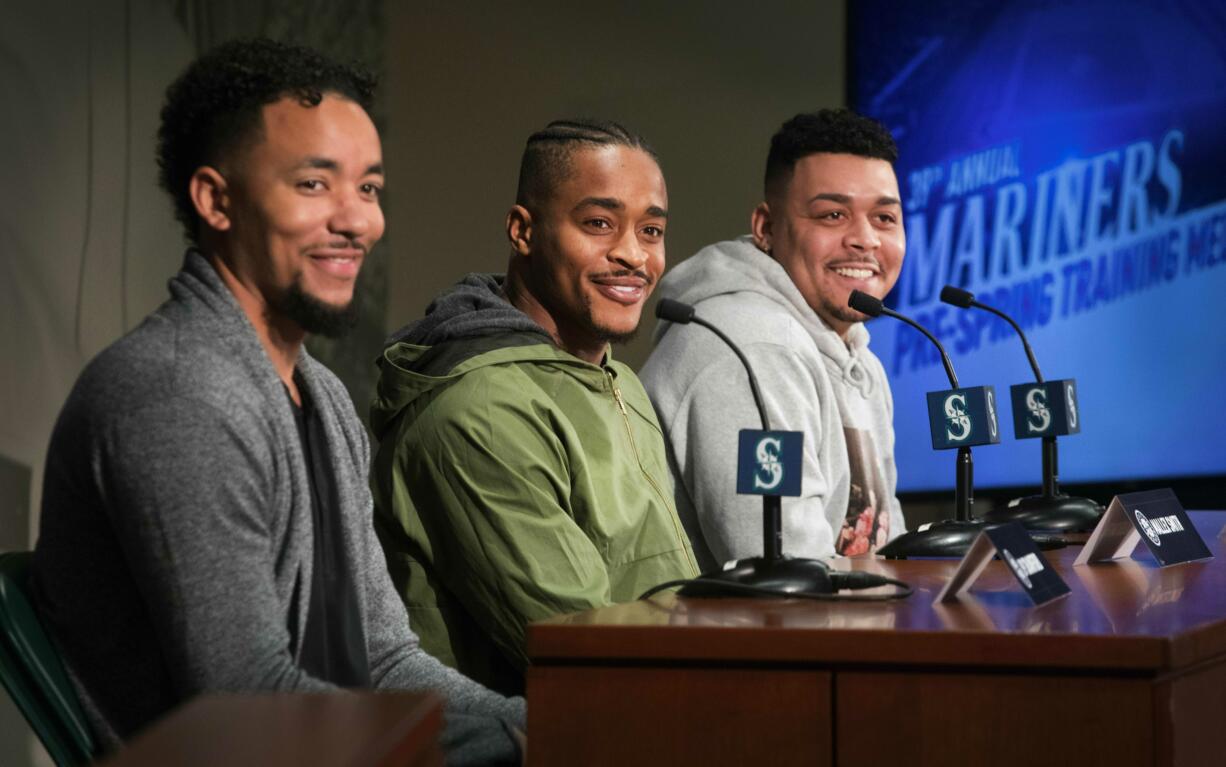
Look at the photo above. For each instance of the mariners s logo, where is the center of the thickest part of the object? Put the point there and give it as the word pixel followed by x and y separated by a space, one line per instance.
pixel 1148 528
pixel 1040 415
pixel 770 470
pixel 957 422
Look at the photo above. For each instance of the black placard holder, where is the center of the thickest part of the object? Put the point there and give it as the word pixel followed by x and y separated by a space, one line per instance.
pixel 1153 516
pixel 1022 558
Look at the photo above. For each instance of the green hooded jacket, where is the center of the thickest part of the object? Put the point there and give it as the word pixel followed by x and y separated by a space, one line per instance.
pixel 513 482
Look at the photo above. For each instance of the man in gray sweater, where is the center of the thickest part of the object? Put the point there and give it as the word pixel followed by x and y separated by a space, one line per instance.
pixel 830 223
pixel 206 522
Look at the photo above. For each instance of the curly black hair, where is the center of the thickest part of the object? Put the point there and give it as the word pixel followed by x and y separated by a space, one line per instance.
pixel 547 154
pixel 836 131
pixel 215 106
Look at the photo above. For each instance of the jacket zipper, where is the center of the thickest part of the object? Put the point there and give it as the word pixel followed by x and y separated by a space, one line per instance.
pixel 621 406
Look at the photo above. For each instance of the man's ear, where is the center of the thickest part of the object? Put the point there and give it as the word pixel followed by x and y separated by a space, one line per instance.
pixel 760 227
pixel 211 197
pixel 519 229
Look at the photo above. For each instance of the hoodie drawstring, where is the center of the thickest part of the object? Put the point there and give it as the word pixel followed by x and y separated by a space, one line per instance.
pixel 857 376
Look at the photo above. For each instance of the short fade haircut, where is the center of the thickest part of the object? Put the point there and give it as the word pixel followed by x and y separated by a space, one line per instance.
pixel 547 155
pixel 831 131
pixel 216 106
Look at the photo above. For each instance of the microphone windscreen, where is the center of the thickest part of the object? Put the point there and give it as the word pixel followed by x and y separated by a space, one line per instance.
pixel 865 304
pixel 957 296
pixel 674 311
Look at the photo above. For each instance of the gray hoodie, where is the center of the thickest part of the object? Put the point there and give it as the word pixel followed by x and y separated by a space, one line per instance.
pixel 812 381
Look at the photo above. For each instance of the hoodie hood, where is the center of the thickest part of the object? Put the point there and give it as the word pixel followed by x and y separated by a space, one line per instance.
pixel 468 326
pixel 471 308
pixel 737 266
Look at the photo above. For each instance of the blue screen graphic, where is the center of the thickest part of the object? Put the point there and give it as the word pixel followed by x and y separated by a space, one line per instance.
pixel 1066 162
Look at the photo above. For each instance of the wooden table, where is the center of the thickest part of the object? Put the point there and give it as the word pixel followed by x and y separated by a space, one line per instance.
pixel 1128 669
pixel 323 730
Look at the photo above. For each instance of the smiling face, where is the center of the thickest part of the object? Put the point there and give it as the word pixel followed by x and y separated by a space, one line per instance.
pixel 593 251
pixel 302 211
pixel 834 228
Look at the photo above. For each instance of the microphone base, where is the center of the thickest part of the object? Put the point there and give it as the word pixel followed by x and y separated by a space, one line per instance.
pixel 949 539
pixel 783 574
pixel 1055 513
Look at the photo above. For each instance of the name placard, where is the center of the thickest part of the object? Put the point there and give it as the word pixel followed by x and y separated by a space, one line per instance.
pixel 1153 516
pixel 1022 558
pixel 769 462
pixel 963 417
pixel 1047 409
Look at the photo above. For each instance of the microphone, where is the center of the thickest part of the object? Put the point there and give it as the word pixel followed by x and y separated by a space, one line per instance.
pixel 964 299
pixel 952 418
pixel 772 573
pixel 872 306
pixel 674 311
pixel 684 314
pixel 1053 407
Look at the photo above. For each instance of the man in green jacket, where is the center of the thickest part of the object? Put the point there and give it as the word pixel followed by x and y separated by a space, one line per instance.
pixel 521 471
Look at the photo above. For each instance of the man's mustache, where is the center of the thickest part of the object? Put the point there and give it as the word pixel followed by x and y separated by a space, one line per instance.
pixel 644 276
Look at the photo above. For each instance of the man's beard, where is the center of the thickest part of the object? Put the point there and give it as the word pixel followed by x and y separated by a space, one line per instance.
pixel 609 335
pixel 313 315
pixel 843 313
pixel 606 334
pixel 613 337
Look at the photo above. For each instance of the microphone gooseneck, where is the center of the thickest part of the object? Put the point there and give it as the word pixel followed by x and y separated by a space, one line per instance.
pixel 964 299
pixel 683 314
pixel 866 304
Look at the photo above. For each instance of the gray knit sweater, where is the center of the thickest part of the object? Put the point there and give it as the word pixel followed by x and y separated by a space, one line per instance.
pixel 175 549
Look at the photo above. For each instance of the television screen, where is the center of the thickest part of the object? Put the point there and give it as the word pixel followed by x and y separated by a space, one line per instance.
pixel 1065 162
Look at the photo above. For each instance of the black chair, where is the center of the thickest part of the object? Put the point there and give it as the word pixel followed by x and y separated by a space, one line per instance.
pixel 31 670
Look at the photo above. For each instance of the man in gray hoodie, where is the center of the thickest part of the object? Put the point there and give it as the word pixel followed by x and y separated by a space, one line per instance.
pixel 830 223
pixel 206 523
